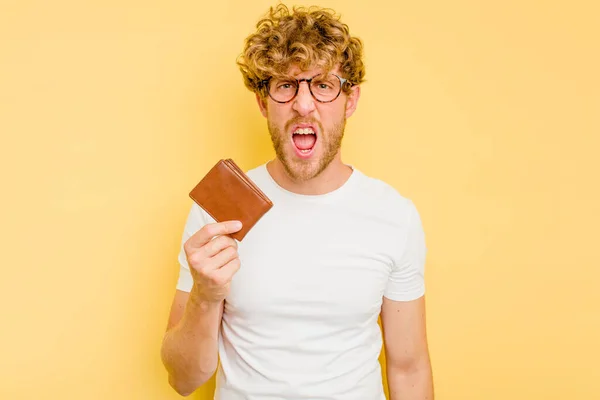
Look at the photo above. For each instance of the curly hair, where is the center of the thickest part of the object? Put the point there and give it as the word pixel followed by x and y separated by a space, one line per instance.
pixel 308 37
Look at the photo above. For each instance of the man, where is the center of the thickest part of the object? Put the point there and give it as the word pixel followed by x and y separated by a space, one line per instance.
pixel 291 312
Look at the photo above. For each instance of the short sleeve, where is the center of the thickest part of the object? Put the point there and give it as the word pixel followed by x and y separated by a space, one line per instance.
pixel 195 220
pixel 407 278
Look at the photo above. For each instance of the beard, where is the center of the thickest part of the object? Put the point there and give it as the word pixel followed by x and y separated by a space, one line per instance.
pixel 303 170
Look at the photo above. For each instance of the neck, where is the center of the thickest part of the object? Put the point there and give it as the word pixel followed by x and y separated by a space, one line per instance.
pixel 330 179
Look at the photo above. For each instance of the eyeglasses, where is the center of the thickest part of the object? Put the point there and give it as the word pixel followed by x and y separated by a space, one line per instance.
pixel 325 88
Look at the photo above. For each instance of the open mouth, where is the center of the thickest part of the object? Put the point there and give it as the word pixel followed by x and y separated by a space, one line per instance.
pixel 304 139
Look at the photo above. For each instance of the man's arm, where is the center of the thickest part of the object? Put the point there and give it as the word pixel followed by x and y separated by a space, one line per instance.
pixel 189 348
pixel 408 365
pixel 190 345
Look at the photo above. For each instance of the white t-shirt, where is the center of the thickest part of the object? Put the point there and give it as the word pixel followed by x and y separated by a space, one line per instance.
pixel 300 321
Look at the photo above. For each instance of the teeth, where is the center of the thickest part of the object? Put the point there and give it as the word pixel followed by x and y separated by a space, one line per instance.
pixel 305 131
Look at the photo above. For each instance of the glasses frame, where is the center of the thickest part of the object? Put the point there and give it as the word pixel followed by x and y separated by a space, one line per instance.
pixel 343 81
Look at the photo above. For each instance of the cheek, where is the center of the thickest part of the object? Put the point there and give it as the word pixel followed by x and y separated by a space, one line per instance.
pixel 277 117
pixel 331 118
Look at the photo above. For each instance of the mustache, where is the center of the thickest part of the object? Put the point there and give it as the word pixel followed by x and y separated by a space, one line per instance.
pixel 295 121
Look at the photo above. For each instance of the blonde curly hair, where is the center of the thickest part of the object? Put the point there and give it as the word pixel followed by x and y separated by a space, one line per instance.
pixel 307 37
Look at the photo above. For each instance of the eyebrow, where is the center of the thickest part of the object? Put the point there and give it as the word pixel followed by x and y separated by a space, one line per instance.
pixel 311 77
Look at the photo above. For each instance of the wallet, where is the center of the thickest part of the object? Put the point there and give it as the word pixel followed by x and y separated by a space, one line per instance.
pixel 227 193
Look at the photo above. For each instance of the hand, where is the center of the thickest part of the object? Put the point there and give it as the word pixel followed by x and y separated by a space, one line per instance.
pixel 213 260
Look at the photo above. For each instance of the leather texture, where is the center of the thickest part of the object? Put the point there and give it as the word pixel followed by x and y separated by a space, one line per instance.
pixel 226 193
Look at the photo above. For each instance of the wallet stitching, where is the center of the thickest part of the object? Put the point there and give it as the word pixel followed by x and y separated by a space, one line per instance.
pixel 236 169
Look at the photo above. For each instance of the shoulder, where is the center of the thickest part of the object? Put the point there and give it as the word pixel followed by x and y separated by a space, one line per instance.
pixel 257 173
pixel 261 178
pixel 385 197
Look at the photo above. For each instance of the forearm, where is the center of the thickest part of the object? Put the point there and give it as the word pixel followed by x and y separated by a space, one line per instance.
pixel 189 350
pixel 410 383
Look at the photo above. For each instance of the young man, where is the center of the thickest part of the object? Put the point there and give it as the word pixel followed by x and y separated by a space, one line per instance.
pixel 291 312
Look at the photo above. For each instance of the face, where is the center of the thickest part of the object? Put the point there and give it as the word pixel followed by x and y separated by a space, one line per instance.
pixel 307 134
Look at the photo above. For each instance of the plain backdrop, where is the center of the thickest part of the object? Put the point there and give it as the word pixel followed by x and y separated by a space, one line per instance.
pixel 485 114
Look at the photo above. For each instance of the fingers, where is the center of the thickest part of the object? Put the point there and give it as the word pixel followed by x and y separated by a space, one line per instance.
pixel 220 259
pixel 213 258
pixel 219 243
pixel 225 273
pixel 215 274
pixel 212 255
pixel 208 231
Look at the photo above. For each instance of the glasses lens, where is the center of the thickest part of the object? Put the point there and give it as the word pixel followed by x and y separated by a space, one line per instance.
pixel 325 87
pixel 282 89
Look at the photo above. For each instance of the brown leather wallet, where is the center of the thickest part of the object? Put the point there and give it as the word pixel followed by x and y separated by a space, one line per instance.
pixel 227 193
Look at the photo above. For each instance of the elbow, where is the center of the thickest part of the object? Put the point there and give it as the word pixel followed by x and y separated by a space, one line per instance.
pixel 182 389
pixel 186 376
pixel 185 387
pixel 407 366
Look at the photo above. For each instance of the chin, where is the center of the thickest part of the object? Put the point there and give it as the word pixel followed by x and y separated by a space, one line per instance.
pixel 303 170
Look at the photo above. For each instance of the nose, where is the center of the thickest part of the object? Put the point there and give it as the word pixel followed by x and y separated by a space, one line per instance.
pixel 304 103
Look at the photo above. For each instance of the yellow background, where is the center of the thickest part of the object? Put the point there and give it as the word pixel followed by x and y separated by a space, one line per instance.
pixel 484 113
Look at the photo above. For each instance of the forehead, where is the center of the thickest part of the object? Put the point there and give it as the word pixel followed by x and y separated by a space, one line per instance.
pixel 297 72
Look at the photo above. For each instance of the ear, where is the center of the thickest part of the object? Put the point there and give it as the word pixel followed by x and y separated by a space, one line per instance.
pixel 262 104
pixel 352 100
